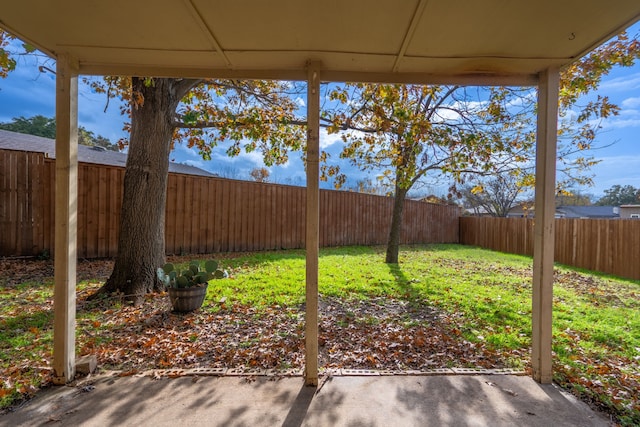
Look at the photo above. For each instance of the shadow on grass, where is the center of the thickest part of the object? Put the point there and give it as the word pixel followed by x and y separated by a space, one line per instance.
pixel 406 285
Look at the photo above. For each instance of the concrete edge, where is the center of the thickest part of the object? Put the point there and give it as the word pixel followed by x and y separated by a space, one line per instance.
pixel 250 372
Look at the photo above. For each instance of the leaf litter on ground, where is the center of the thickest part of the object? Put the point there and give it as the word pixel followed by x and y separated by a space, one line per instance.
pixel 375 332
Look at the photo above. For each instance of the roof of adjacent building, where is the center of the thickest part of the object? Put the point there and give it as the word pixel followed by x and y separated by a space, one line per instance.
pixel 588 211
pixel 86 154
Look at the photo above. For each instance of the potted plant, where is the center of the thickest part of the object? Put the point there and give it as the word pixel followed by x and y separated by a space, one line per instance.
pixel 188 288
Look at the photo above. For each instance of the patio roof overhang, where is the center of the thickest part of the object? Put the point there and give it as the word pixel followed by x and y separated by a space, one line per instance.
pixel 404 41
pixel 486 42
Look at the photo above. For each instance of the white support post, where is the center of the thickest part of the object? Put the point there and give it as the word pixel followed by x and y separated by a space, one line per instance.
pixel 66 203
pixel 543 247
pixel 313 219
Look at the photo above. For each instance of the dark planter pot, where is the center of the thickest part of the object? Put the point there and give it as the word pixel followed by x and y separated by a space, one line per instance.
pixel 187 299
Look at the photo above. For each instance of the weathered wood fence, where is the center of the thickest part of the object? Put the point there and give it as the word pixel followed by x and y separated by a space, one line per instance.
pixel 608 246
pixel 203 215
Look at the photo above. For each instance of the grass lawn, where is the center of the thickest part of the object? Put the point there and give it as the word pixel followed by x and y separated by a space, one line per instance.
pixel 442 306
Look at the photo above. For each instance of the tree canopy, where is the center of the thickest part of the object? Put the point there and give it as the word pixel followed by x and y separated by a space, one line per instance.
pixel 7 62
pixel 46 127
pixel 618 195
pixel 408 130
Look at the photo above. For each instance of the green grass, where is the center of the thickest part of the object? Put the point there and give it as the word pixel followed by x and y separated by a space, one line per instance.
pixel 492 290
pixel 596 325
pixel 484 285
pixel 596 318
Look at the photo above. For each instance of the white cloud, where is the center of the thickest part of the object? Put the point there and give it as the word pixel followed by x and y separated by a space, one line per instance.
pixel 327 139
pixel 452 112
pixel 254 157
pixel 620 123
pixel 631 102
pixel 626 83
pixel 181 149
pixel 629 112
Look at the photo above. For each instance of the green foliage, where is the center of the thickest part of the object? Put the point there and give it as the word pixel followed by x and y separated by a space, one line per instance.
pixel 7 60
pixel 36 125
pixel 620 195
pixel 193 275
pixel 254 115
pixel 7 63
pixel 46 127
pixel 400 128
pixel 87 137
pixel 410 130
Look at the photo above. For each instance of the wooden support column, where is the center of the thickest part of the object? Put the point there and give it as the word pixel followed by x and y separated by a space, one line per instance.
pixel 313 216
pixel 64 304
pixel 543 246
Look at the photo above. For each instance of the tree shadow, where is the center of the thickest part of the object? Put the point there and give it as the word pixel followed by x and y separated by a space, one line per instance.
pixel 409 291
pixel 490 400
pixel 228 401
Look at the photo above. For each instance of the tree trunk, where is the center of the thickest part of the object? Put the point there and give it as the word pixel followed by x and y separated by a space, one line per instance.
pixel 141 246
pixel 393 245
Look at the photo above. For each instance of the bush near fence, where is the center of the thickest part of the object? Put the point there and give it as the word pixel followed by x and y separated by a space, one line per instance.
pixel 203 215
pixel 606 245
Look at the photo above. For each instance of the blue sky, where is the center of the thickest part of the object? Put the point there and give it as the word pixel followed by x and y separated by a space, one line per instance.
pixel 27 92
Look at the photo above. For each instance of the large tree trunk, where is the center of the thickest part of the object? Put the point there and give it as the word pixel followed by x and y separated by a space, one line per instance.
pixel 393 245
pixel 141 248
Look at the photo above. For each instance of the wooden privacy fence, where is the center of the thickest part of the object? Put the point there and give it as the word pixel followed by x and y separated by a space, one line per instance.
pixel 606 245
pixel 203 215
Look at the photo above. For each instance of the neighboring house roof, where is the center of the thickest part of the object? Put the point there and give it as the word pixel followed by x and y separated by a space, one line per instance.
pixel 23 142
pixel 476 210
pixel 588 211
pixel 603 212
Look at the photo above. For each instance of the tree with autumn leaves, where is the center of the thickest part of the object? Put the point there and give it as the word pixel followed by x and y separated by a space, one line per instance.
pixel 7 63
pixel 409 131
pixel 253 115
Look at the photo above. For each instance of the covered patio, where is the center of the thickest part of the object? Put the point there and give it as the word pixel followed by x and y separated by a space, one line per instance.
pixel 420 41
pixel 339 400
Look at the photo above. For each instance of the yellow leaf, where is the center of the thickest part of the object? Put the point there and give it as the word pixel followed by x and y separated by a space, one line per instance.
pixel 477 189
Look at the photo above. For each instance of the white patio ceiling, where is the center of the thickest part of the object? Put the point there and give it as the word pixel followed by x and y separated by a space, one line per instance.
pixel 411 40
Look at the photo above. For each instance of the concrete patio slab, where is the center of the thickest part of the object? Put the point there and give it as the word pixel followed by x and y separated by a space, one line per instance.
pixel 394 400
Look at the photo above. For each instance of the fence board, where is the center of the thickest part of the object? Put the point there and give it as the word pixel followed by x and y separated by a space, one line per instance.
pixel 608 246
pixel 202 215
